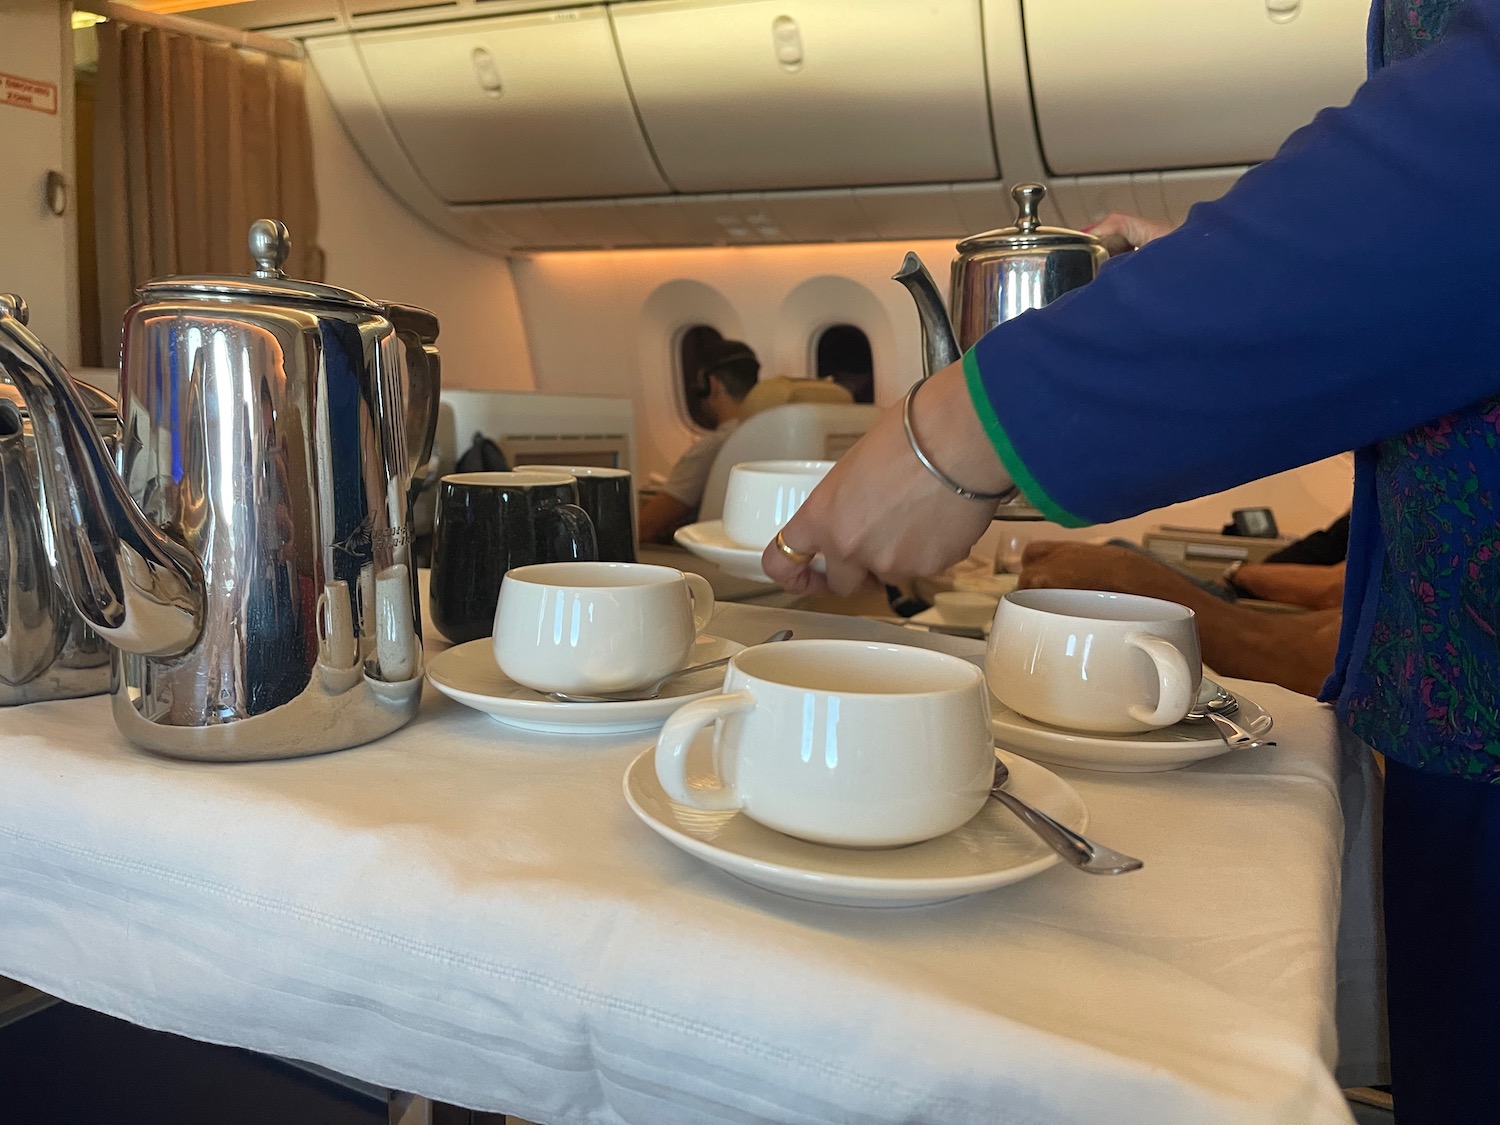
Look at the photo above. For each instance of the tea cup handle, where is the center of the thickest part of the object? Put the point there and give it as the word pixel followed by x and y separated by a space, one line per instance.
pixel 672 749
pixel 1177 689
pixel 703 600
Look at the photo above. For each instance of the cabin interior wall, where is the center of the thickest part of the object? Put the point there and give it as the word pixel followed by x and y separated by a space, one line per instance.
pixel 375 246
pixel 608 322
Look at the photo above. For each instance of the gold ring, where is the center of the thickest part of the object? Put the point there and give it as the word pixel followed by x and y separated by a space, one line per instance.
pixel 801 558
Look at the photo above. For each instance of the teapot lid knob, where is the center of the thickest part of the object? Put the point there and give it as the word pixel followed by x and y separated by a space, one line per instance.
pixel 1028 198
pixel 270 243
pixel 12 304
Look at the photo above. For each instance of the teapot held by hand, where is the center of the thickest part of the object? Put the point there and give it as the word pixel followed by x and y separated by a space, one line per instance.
pixel 269 433
pixel 996 276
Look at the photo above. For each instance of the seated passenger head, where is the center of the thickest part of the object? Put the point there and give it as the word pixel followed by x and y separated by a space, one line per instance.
pixel 729 371
pixel 733 363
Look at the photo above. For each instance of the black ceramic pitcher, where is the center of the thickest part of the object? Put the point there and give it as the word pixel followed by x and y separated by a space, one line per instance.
pixel 487 523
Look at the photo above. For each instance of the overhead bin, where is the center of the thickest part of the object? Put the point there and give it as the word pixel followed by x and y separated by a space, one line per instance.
pixel 745 122
pixel 1185 83
pixel 521 107
pixel 766 95
pixel 335 61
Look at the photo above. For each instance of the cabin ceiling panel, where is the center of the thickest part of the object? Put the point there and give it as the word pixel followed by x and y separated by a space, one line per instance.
pixel 783 94
pixel 925 211
pixel 1185 83
pixel 1183 189
pixel 296 16
pixel 984 207
pixel 513 108
pixel 813 216
pixel 431 9
pixel 336 64
pixel 589 223
pixel 302 18
pixel 697 220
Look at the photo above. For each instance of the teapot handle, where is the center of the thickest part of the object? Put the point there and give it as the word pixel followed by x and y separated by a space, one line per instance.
pixel 417 330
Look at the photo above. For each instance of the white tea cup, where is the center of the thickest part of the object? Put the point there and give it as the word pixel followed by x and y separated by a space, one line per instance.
pixel 851 743
pixel 591 627
pixel 762 495
pixel 1090 660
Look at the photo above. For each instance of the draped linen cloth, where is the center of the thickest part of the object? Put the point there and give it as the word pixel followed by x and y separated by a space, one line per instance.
pixel 193 140
pixel 473 913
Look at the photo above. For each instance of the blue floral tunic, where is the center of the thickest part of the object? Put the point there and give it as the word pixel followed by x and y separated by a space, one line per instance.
pixel 1424 684
pixel 1401 28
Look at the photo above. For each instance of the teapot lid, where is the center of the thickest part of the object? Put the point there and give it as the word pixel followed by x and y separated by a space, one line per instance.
pixel 269 242
pixel 1028 233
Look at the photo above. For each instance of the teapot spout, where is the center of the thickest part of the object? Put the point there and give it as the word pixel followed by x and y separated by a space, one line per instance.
pixel 140 590
pixel 939 345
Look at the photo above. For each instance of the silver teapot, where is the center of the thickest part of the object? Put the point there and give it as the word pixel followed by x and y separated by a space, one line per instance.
pixel 250 557
pixel 46 650
pixel 996 276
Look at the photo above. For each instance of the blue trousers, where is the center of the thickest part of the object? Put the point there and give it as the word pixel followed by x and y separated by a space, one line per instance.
pixel 1442 921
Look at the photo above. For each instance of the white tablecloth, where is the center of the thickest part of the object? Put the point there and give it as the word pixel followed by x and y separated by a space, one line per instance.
pixel 474 914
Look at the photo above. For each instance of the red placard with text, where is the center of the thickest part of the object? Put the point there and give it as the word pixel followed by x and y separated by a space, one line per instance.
pixel 28 93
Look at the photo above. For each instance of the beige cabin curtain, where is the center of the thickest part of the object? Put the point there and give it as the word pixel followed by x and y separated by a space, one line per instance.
pixel 193 140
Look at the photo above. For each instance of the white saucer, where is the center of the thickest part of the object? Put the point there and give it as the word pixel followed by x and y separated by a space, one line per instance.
pixel 708 541
pixel 1152 752
pixel 990 851
pixel 469 674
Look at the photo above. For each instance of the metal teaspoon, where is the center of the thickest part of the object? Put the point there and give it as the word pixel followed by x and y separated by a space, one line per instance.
pixel 1080 851
pixel 1219 709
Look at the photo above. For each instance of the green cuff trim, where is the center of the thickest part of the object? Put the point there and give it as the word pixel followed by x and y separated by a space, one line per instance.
pixel 1035 493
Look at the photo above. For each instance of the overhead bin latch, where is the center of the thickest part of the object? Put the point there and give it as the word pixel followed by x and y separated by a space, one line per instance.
pixel 786 40
pixel 1283 11
pixel 486 72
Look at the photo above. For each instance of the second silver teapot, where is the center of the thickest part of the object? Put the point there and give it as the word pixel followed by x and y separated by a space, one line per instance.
pixel 47 651
pixel 250 558
pixel 996 276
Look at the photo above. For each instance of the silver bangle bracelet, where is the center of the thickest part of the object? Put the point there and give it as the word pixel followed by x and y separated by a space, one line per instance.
pixel 948 482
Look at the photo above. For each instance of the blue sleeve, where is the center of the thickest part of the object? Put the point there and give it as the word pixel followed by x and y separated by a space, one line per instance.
pixel 1343 292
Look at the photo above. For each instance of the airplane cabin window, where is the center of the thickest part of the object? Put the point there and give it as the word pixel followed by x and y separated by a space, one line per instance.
pixel 692 348
pixel 842 353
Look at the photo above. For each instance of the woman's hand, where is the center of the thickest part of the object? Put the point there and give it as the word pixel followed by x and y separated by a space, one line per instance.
pixel 1123 233
pixel 880 513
